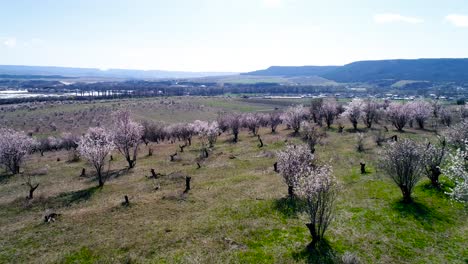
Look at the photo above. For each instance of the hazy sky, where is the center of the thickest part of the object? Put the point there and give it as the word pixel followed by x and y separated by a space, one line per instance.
pixel 221 35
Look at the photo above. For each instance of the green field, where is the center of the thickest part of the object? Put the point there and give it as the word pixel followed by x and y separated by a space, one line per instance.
pixel 236 211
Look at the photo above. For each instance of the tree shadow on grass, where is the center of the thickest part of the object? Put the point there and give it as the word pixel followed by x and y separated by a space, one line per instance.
pixel 324 253
pixel 4 177
pixel 107 175
pixel 69 198
pixel 290 207
pixel 419 211
pixel 441 191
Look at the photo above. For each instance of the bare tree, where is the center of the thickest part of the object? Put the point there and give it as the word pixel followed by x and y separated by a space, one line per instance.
pixel 14 147
pixel 403 162
pixel 32 183
pixel 126 135
pixel 94 146
pixel 319 188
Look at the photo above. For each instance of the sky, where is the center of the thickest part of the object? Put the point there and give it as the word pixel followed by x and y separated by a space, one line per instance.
pixel 227 36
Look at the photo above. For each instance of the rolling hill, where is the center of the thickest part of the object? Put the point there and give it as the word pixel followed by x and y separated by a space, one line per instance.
pixel 435 70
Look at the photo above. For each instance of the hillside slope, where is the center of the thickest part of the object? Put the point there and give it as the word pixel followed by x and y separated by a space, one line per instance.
pixel 421 69
pixel 292 71
pixel 435 70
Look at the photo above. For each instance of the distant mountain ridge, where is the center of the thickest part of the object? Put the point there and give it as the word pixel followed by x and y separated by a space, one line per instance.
pixel 94 72
pixel 439 70
pixel 293 71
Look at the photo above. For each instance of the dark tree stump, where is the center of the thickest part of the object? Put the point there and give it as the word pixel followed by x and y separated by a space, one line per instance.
pixel 153 174
pixel 198 166
pixel 182 148
pixel 275 167
pixel 187 184
pixel 172 156
pixel 111 158
pixel 58 159
pixel 150 152
pixel 126 202
pixel 386 128
pixel 83 172
pixel 363 168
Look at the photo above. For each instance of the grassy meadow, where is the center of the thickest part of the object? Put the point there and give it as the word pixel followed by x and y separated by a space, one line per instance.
pixel 236 211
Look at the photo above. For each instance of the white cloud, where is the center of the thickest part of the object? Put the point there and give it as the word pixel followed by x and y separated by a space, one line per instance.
pixel 9 42
pixel 457 20
pixel 272 3
pixel 392 18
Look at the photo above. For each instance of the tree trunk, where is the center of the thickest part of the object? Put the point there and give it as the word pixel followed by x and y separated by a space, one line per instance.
pixel 126 202
pixel 291 192
pixel 406 195
pixel 435 177
pixel 275 167
pixel 101 182
pixel 131 163
pixel 236 137
pixel 31 191
pixel 187 184
pixel 363 168
pixel 314 235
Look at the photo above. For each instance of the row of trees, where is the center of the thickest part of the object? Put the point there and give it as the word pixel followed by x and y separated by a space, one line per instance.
pixel 404 161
